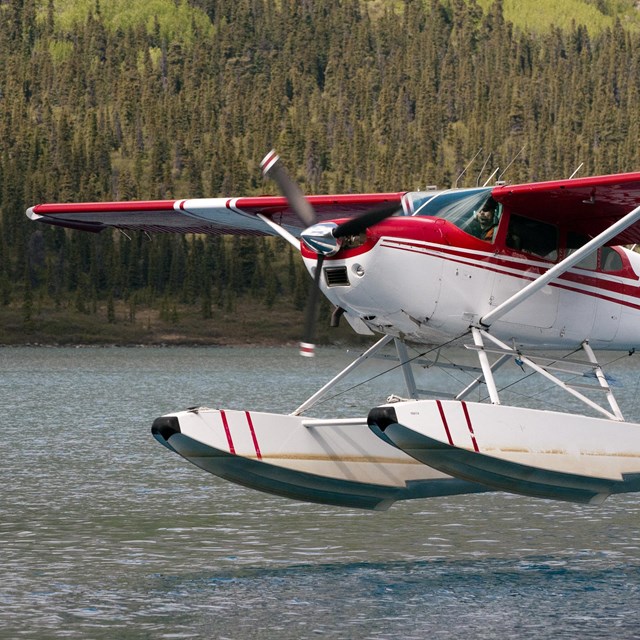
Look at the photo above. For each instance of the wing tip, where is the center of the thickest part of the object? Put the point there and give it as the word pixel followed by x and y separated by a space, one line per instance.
pixel 31 213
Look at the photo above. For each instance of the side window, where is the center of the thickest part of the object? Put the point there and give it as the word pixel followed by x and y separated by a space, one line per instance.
pixel 610 260
pixel 574 242
pixel 532 236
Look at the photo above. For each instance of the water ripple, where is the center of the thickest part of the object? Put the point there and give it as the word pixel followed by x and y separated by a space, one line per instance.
pixel 104 534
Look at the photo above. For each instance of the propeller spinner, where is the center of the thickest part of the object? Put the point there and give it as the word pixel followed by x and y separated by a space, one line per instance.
pixel 323 238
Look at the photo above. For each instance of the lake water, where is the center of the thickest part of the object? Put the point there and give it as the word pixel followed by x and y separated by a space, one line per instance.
pixel 106 534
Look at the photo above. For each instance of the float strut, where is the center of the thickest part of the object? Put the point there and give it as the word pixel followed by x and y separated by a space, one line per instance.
pixel 486 367
pixel 357 362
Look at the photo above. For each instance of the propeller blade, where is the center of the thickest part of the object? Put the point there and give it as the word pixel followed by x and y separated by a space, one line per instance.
pixel 273 168
pixel 320 238
pixel 307 346
pixel 357 225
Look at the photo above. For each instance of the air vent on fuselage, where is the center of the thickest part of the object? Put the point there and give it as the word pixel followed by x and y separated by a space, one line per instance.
pixel 336 276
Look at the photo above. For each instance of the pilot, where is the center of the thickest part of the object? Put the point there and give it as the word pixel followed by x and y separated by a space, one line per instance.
pixel 485 221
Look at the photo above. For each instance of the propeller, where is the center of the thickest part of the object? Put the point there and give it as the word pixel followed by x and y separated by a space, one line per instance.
pixel 272 168
pixel 323 238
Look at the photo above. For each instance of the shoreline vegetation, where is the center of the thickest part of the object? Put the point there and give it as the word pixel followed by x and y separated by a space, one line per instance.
pixel 247 325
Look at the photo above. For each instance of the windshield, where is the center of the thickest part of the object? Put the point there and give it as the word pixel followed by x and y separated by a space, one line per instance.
pixel 473 210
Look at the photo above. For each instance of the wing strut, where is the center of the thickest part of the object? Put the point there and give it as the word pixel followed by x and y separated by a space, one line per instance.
pixel 562 266
pixel 281 231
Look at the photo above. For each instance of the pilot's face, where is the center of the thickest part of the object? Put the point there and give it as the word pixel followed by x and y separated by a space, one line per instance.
pixel 485 217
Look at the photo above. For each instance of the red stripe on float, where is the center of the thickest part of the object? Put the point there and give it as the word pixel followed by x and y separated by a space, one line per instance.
pixel 227 432
pixel 473 435
pixel 253 435
pixel 444 422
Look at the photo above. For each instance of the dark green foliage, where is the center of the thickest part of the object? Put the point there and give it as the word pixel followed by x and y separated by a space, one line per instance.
pixel 352 102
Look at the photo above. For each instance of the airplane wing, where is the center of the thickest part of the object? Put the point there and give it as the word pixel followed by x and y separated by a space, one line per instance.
pixel 215 216
pixel 585 206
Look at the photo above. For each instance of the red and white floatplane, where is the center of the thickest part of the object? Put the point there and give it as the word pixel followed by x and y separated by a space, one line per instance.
pixel 508 273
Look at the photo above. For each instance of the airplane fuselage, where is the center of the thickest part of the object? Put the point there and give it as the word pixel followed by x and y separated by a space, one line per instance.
pixel 426 280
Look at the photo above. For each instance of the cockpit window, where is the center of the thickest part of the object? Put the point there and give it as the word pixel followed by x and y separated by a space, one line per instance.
pixel 472 210
pixel 484 220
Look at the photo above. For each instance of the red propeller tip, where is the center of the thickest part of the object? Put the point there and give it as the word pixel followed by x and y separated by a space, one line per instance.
pixel 307 349
pixel 269 161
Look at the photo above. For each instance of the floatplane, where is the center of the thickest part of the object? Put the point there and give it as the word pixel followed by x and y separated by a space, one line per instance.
pixel 510 273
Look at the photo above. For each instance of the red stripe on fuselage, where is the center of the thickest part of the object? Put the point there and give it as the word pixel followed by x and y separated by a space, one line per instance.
pixel 227 431
pixel 564 281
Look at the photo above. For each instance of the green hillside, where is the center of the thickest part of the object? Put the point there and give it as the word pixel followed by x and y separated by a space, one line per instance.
pixel 107 100
pixel 543 15
pixel 180 20
pixel 170 20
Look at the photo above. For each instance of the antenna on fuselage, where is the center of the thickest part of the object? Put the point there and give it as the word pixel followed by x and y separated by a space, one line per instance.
pixel 488 180
pixel 455 184
pixel 512 161
pixel 576 170
pixel 486 162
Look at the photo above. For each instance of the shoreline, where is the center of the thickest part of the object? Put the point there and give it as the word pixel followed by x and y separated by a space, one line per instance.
pixel 247 326
pixel 165 345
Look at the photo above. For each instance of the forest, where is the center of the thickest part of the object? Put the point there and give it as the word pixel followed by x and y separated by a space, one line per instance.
pixel 184 102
